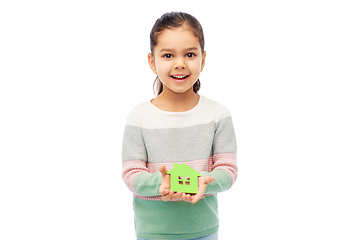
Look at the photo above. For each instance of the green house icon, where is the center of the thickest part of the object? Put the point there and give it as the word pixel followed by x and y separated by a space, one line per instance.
pixel 183 178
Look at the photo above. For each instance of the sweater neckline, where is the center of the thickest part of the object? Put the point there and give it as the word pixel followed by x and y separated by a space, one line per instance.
pixel 201 98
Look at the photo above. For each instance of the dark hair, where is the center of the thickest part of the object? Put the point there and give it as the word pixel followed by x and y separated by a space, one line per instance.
pixel 175 20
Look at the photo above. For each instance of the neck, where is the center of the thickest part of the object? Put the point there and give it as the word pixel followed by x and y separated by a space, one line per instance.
pixel 178 102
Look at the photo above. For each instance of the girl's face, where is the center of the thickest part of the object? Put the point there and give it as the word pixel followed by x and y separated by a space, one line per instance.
pixel 177 59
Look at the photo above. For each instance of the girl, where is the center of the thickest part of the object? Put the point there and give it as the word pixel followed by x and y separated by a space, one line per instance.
pixel 178 126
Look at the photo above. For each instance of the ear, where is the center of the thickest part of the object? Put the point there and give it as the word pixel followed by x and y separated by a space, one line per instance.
pixel 203 61
pixel 152 64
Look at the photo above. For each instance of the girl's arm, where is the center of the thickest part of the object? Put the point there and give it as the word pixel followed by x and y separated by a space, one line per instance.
pixel 139 180
pixel 135 173
pixel 224 156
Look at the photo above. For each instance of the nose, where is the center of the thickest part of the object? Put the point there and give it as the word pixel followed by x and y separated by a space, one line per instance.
pixel 180 63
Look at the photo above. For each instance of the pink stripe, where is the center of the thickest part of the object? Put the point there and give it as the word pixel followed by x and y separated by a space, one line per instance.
pixel 131 169
pixel 227 162
pixel 197 165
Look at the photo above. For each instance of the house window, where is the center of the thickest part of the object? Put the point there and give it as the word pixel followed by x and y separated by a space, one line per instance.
pixel 187 180
pixel 181 182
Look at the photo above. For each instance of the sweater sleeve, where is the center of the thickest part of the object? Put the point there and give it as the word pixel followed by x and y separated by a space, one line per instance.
pixel 135 173
pixel 224 156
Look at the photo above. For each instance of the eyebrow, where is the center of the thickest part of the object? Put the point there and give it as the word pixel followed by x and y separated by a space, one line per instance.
pixel 171 50
pixel 192 48
pixel 166 50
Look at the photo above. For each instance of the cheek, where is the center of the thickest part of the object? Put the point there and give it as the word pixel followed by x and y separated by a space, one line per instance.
pixel 194 66
pixel 163 67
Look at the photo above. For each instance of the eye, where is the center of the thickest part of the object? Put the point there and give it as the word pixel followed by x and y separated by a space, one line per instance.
pixel 190 55
pixel 167 56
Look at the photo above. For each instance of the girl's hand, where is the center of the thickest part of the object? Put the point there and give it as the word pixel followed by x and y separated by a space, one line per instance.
pixel 168 195
pixel 203 182
pixel 164 189
pixel 165 184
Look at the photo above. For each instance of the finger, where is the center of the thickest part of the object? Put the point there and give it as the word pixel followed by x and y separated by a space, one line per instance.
pixel 209 179
pixel 165 185
pixel 163 170
pixel 177 196
pixel 202 187
pixel 166 180
pixel 187 197
pixel 196 198
pixel 165 198
pixel 168 196
pixel 183 196
pixel 162 191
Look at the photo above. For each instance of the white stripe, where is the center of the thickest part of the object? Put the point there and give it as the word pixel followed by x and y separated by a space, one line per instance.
pixel 146 115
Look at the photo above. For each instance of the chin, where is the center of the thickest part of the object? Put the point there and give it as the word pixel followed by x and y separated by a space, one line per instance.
pixel 180 91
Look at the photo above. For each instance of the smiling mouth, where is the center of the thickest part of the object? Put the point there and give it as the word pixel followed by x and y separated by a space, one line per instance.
pixel 179 77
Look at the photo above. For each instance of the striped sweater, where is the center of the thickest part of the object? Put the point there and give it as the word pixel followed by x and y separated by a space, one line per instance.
pixel 204 139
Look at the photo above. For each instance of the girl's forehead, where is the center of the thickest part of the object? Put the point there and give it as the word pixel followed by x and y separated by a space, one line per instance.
pixel 177 38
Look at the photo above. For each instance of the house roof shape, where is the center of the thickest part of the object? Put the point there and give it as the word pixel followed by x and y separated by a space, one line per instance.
pixel 183 170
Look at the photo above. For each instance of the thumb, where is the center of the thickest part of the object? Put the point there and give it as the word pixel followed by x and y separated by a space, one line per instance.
pixel 163 170
pixel 210 179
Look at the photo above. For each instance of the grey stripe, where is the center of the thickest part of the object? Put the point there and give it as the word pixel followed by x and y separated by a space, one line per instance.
pixel 179 144
pixel 133 144
pixel 224 138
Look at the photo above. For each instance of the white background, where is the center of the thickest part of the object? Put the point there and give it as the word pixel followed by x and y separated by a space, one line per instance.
pixel 289 72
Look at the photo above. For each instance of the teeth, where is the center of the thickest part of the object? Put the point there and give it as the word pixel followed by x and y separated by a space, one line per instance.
pixel 179 77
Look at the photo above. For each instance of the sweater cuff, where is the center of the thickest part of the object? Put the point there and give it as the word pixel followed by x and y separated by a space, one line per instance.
pixel 221 183
pixel 148 184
